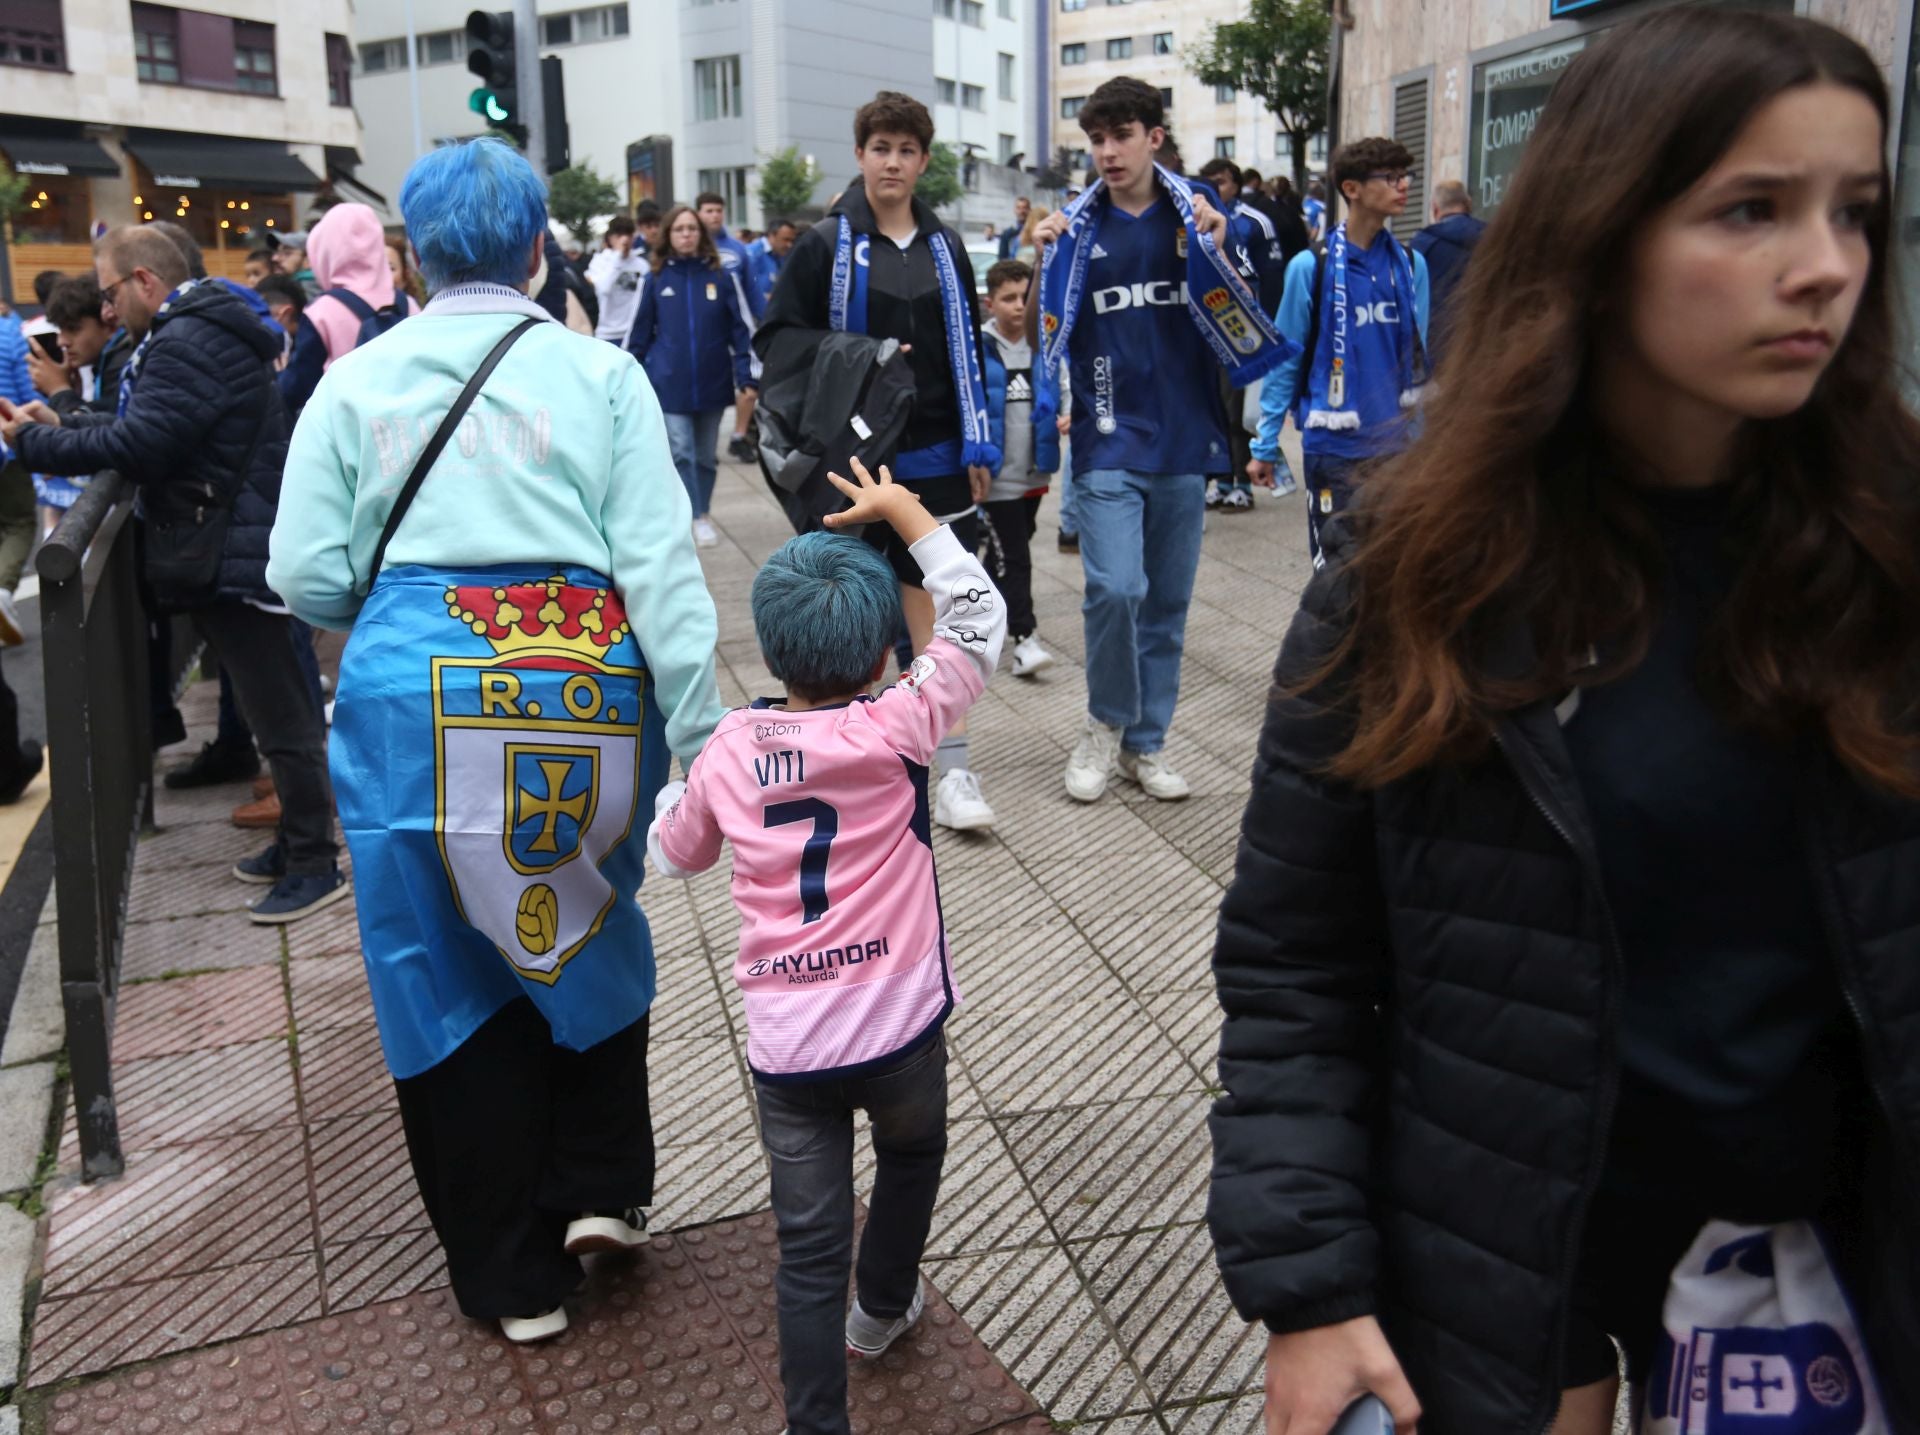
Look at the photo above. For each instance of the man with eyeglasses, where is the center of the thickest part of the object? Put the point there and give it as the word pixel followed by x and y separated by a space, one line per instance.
pixel 199 427
pixel 1359 313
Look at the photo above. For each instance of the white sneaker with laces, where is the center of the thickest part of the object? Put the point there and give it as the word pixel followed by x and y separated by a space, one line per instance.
pixel 1213 499
pixel 1029 657
pixel 959 804
pixel 1155 778
pixel 705 535
pixel 868 1339
pixel 607 1231
pixel 1091 766
pixel 523 1329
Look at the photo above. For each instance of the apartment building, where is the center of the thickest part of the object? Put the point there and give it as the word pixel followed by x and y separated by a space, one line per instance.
pixel 231 118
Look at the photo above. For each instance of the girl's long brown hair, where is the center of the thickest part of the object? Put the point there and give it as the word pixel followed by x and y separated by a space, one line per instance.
pixel 1511 507
pixel 663 254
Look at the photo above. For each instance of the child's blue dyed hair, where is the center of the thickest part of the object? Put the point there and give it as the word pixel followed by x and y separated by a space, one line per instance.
pixel 826 608
pixel 472 211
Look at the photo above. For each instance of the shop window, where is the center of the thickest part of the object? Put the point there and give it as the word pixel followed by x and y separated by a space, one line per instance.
pixel 56 209
pixel 32 33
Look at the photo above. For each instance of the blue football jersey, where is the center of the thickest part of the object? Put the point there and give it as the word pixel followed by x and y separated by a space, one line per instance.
pixel 1146 388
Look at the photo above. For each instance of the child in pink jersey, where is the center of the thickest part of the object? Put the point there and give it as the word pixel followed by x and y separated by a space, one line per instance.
pixel 843 962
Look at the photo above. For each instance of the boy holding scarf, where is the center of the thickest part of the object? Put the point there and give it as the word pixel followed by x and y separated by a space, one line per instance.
pixel 1138 295
pixel 1360 317
pixel 883 264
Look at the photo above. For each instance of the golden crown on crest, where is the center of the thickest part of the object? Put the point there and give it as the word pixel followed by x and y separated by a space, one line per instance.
pixel 549 616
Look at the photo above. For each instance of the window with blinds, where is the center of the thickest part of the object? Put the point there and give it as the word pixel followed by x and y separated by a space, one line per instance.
pixel 1410 128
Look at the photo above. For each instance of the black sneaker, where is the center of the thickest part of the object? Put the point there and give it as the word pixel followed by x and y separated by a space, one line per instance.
pixel 32 759
pixel 295 897
pixel 741 450
pixel 216 763
pixel 1069 542
pixel 623 1230
pixel 265 868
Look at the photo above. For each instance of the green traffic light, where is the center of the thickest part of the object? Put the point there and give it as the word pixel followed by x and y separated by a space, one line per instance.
pixel 483 101
pixel 494 112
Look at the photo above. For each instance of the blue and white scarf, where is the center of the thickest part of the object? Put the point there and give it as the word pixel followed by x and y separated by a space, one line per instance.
pixel 1331 386
pixel 1227 316
pixel 847 313
pixel 132 371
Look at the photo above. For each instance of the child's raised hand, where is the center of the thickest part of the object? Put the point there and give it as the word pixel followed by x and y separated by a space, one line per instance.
pixel 880 500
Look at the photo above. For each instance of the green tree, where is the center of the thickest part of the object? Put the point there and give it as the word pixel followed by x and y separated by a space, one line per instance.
pixel 941 183
pixel 787 182
pixel 577 196
pixel 1279 53
pixel 1060 172
pixel 13 200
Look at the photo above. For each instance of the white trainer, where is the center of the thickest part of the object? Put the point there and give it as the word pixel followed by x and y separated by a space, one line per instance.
pixel 705 534
pixel 868 1339
pixel 1029 657
pixel 1155 778
pixel 1091 766
pixel 524 1329
pixel 959 804
pixel 607 1231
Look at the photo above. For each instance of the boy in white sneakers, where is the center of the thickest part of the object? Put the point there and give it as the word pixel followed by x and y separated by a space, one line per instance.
pixel 843 965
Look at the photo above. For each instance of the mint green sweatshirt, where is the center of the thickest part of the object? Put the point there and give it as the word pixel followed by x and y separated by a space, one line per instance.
pixel 562 459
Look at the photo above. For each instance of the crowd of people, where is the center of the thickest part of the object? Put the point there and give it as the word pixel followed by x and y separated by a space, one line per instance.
pixel 1571 936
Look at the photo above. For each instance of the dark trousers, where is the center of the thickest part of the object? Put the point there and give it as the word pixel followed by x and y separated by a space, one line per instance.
pixel 13 762
pixel 807 1129
pixel 1008 531
pixel 511 1137
pixel 1330 489
pixel 260 654
pixel 232 730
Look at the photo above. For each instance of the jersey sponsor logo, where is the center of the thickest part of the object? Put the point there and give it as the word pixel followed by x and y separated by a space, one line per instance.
pixel 1384 311
pixel 1103 415
pixel 1161 292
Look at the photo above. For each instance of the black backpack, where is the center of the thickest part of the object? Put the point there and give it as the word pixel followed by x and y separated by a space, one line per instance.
pixel 373 322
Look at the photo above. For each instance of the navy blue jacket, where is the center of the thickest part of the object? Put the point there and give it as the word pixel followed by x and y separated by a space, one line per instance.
pixel 690 334
pixel 204 422
pixel 1447 244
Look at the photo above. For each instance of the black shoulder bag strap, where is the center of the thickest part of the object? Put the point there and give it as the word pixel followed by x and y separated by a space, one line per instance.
pixel 439 441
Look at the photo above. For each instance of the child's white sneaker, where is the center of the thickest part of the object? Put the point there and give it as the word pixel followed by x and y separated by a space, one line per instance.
pixel 1029 657
pixel 524 1329
pixel 868 1339
pixel 705 535
pixel 1156 777
pixel 1091 765
pixel 959 804
pixel 607 1231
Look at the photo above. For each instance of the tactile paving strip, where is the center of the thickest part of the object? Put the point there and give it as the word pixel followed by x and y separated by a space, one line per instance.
pixel 680 1339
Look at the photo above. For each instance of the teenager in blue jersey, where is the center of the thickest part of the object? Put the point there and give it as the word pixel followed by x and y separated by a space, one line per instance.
pixel 883 264
pixel 735 259
pixel 1140 294
pixel 1359 314
pixel 765 256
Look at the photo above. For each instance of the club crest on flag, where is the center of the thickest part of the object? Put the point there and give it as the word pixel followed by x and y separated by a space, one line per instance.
pixel 537 755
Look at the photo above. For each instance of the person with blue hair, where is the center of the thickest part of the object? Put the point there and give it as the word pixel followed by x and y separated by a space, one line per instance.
pixel 824 798
pixel 532 640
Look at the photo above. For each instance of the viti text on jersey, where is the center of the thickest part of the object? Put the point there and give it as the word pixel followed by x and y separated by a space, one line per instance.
pixel 1139 296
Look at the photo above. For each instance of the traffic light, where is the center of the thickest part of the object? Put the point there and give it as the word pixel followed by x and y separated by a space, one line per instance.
pixel 490 57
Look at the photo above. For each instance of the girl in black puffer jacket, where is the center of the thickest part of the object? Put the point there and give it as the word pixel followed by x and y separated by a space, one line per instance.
pixel 1578 899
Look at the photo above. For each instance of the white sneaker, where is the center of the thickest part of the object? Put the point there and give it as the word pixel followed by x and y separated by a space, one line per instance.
pixel 1029 657
pixel 705 534
pixel 524 1329
pixel 1091 765
pixel 1155 777
pixel 868 1339
pixel 12 635
pixel 607 1231
pixel 958 803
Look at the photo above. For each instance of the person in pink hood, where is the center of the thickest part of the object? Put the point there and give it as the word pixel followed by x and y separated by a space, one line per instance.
pixel 348 251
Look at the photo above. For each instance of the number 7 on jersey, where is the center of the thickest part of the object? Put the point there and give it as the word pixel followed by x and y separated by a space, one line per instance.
pixel 813 856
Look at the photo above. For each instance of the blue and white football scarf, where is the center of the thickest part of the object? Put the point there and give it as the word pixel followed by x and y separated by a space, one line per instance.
pixel 1759 1337
pixel 1227 316
pixel 132 370
pixel 847 313
pixel 1331 384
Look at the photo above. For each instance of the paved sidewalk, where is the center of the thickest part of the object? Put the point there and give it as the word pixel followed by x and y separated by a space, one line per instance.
pixel 268 1188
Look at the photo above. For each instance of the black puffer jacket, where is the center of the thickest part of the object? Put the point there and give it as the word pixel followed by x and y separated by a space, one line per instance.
pixel 205 418
pixel 1419 985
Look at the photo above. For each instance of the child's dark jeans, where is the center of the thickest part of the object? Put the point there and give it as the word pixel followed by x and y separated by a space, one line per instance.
pixel 808 1132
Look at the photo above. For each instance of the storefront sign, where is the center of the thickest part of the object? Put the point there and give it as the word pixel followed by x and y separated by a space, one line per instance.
pixel 28 166
pixel 1508 96
pixel 176 181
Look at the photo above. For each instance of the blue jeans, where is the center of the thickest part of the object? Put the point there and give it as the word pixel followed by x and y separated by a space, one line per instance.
pixel 695 442
pixel 1140 547
pixel 807 1128
pixel 1069 510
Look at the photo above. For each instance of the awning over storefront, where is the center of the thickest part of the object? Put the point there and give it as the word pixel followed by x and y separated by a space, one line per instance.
pixel 341 164
pixel 35 146
pixel 184 161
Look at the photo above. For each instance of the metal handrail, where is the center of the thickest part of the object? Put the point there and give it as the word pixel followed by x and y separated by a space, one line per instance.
pixel 94 650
